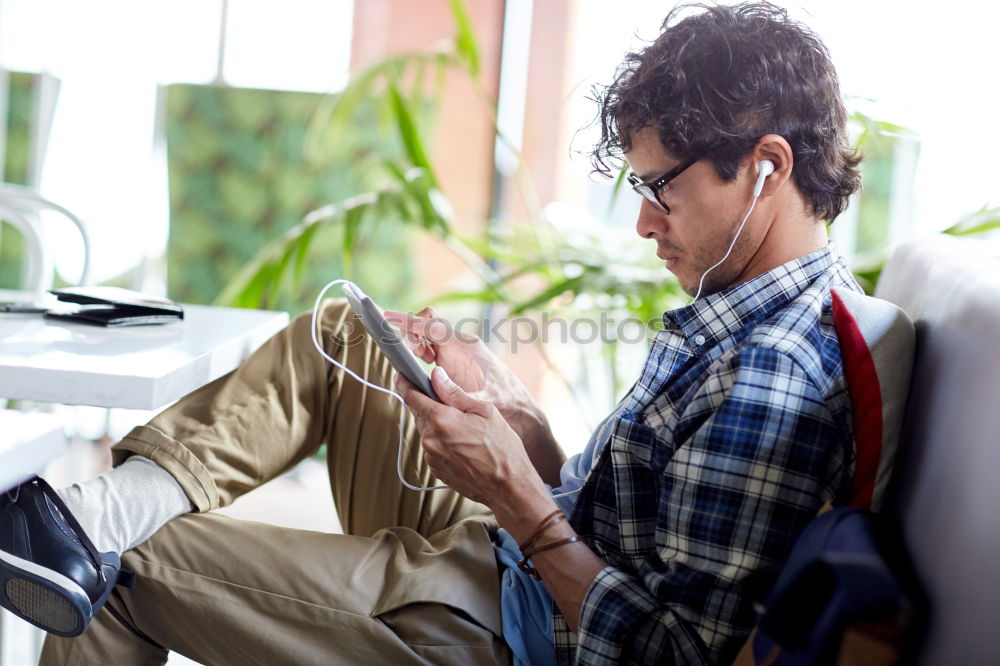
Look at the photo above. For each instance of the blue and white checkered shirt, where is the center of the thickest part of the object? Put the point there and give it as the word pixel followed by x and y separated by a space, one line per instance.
pixel 738 430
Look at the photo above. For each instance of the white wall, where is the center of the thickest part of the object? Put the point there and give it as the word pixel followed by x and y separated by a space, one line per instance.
pixel 932 67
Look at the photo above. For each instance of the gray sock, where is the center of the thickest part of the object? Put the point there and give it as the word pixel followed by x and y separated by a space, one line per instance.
pixel 124 506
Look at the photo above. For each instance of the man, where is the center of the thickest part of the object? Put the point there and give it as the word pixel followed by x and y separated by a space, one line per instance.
pixel 681 510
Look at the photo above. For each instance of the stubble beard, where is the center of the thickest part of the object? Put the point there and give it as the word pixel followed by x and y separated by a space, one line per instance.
pixel 725 274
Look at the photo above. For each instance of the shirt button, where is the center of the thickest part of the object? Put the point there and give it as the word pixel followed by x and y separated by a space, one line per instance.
pixel 699 340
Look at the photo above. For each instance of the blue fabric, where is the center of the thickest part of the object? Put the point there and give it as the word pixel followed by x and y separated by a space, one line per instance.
pixel 525 607
pixel 694 490
pixel 835 576
pixel 736 433
pixel 525 604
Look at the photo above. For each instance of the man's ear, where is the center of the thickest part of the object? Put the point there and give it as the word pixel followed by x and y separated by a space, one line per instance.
pixel 776 149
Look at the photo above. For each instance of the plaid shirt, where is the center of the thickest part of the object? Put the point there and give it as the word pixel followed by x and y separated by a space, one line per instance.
pixel 738 430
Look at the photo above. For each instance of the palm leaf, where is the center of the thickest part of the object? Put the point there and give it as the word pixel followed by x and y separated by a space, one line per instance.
pixel 352 223
pixel 982 221
pixel 302 249
pixel 465 37
pixel 338 112
pixel 408 132
pixel 546 295
pixel 261 276
pixel 616 189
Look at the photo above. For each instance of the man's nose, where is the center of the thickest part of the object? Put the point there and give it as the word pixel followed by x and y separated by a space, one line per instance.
pixel 651 220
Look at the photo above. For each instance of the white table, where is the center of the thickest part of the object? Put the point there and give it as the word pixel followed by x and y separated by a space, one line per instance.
pixel 28 441
pixel 138 367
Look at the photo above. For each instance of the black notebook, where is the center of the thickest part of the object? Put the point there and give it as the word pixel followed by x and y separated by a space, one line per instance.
pixel 113 306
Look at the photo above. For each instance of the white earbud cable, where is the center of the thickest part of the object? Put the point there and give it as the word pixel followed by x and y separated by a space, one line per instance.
pixel 726 256
pixel 766 169
pixel 402 404
pixel 402 419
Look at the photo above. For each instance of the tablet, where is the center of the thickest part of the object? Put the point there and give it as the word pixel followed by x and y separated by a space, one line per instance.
pixel 388 340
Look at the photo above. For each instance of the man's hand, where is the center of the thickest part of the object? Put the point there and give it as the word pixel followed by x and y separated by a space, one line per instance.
pixel 481 374
pixel 469 446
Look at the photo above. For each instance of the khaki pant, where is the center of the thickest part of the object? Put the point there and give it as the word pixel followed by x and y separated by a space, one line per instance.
pixel 413 580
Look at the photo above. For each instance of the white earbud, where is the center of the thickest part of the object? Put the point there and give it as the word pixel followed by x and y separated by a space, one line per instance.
pixel 764 169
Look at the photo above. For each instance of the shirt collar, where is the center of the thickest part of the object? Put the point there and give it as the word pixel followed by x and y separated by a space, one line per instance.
pixel 711 319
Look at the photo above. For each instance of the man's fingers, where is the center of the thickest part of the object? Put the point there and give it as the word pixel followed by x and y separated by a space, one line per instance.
pixel 429 313
pixel 435 330
pixel 423 349
pixel 419 404
pixel 424 352
pixel 453 395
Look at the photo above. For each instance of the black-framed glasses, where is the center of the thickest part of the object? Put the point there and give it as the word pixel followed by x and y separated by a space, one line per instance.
pixel 655 188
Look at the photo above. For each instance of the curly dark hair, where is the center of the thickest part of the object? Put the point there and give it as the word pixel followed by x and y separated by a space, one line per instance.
pixel 723 78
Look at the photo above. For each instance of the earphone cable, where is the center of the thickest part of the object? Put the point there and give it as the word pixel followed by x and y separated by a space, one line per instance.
pixel 402 420
pixel 746 217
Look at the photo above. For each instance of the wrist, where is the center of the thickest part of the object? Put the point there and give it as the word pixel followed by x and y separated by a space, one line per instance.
pixel 538 543
pixel 525 417
pixel 522 508
pixel 531 424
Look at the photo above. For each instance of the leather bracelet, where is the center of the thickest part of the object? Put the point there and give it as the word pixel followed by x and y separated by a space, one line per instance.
pixel 532 571
pixel 547 522
pixel 529 547
pixel 550 546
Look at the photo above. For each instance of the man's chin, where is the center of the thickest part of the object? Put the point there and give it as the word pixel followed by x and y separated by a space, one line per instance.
pixel 688 284
pixel 690 291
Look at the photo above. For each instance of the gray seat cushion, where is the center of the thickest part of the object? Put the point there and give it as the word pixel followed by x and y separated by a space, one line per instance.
pixel 946 487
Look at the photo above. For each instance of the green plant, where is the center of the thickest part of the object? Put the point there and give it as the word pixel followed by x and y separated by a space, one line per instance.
pixel 17 129
pixel 867 268
pixel 398 95
pixel 239 178
pixel 522 267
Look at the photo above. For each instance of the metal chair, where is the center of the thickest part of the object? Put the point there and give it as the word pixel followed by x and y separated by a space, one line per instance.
pixel 22 207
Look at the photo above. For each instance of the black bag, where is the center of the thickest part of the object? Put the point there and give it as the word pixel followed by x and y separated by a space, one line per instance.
pixel 836 578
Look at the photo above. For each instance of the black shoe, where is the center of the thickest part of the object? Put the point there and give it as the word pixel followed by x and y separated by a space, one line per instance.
pixel 50 573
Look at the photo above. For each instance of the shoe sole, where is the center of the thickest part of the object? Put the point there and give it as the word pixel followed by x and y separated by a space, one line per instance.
pixel 43 597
